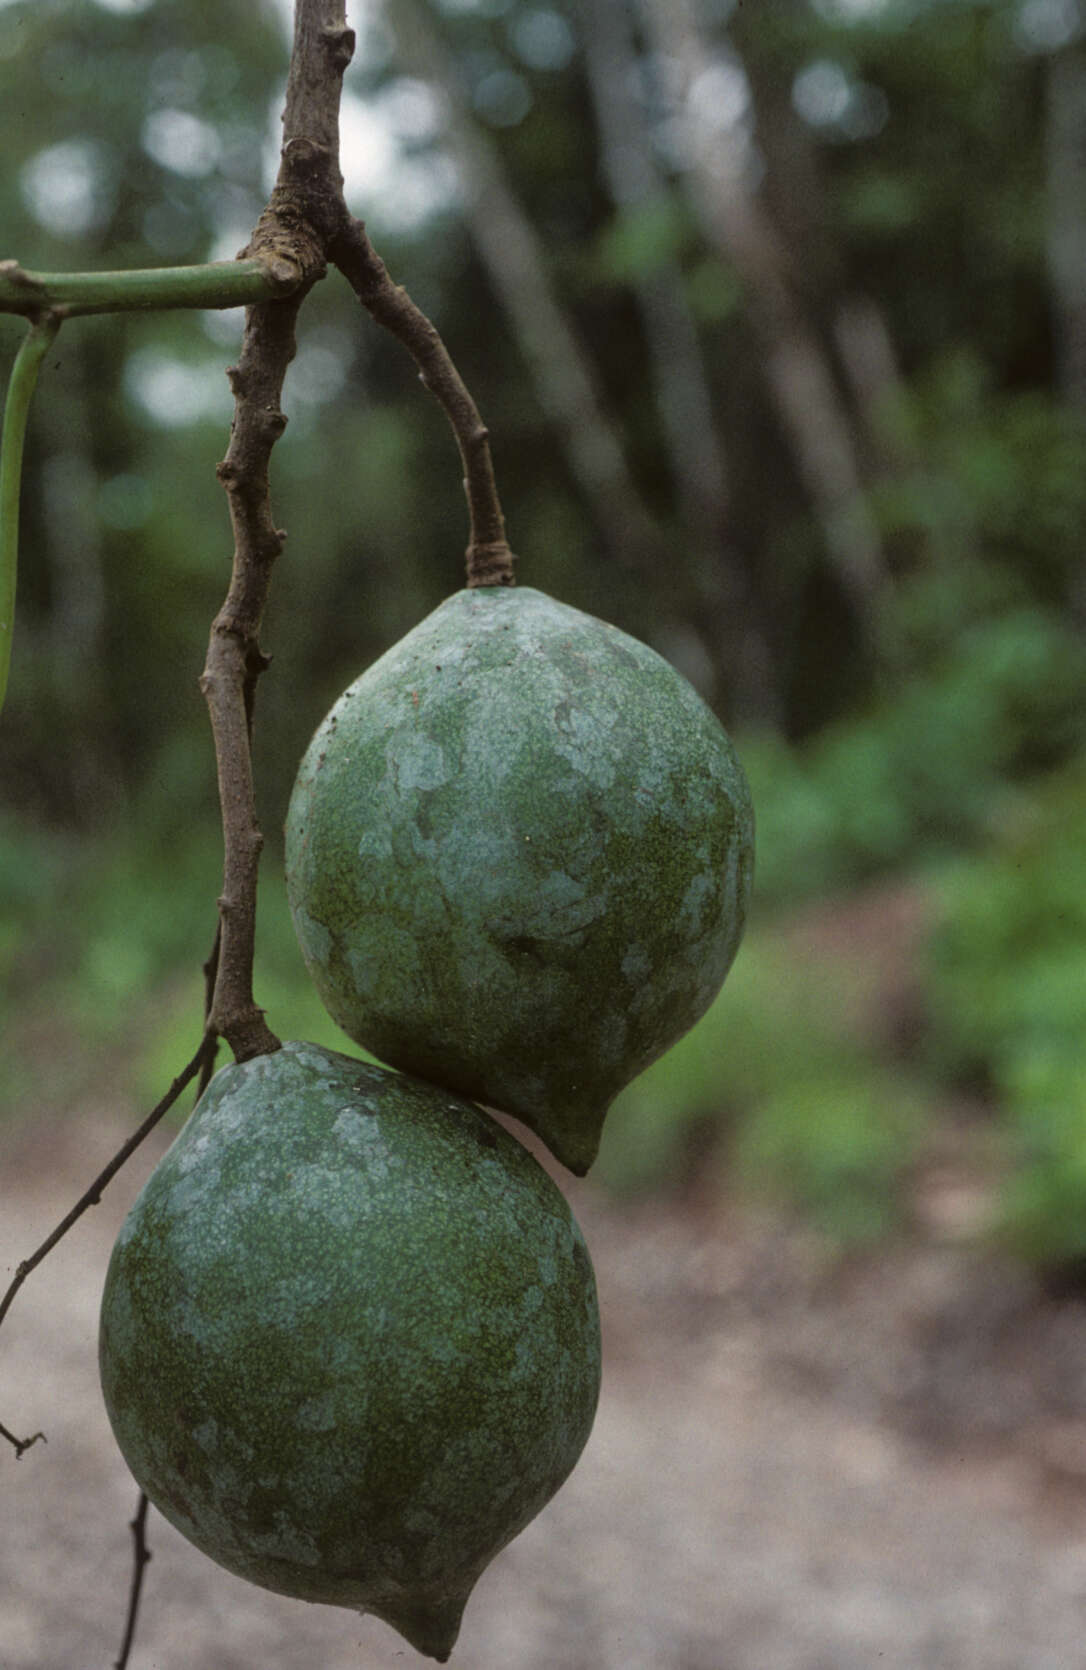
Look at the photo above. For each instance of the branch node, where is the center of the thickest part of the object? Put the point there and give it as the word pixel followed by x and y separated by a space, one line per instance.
pixel 141 1557
pixel 339 44
pixel 283 270
pixel 21 1445
pixel 303 155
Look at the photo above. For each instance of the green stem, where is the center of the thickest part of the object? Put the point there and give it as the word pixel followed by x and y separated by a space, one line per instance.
pixel 216 284
pixel 24 375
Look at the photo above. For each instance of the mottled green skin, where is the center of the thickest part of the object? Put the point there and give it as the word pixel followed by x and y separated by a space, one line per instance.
pixel 519 855
pixel 349 1339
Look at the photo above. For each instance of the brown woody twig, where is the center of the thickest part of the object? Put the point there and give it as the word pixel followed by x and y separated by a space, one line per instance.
pixel 93 1194
pixel 141 1557
pixel 20 1444
pixel 489 559
pixel 305 222
pixel 141 1553
pixel 295 227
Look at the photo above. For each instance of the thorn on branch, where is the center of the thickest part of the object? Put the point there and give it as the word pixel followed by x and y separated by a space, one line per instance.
pixel 273 422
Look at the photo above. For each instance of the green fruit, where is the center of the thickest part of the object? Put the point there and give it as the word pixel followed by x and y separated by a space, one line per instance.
pixel 349 1340
pixel 519 855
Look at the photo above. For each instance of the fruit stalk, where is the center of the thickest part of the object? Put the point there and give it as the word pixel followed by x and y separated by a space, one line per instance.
pixel 488 557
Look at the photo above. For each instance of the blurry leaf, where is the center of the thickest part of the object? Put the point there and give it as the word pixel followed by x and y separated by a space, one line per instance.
pixel 837 1145
pixel 713 291
pixel 801 1105
pixel 641 240
pixel 1008 1000
pixel 880 202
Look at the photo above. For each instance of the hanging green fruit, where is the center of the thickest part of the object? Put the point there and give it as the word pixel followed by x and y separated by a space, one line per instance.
pixel 349 1341
pixel 519 856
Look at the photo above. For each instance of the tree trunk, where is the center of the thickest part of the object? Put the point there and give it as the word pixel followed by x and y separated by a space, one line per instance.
pixel 797 368
pixel 676 367
pixel 515 260
pixel 1066 146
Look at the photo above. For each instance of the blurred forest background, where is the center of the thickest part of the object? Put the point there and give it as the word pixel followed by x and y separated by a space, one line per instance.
pixel 777 313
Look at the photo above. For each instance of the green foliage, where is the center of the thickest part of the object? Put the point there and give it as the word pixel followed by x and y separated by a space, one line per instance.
pixel 640 241
pixel 122 497
pixel 928 770
pixel 1008 1004
pixel 803 1108
pixel 713 291
pixel 997 480
pixel 837 1146
pixel 101 949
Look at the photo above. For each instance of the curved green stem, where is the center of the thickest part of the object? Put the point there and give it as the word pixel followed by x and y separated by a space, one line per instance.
pixel 24 375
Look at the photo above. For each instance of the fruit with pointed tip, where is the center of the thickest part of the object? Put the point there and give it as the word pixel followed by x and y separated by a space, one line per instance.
pixel 349 1340
pixel 519 856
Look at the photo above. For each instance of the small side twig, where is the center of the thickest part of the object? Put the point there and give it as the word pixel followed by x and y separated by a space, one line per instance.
pixel 20 1444
pixel 141 1556
pixel 141 1553
pixel 93 1194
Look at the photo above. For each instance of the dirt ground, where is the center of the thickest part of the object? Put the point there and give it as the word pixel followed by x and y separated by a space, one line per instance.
pixel 797 1465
